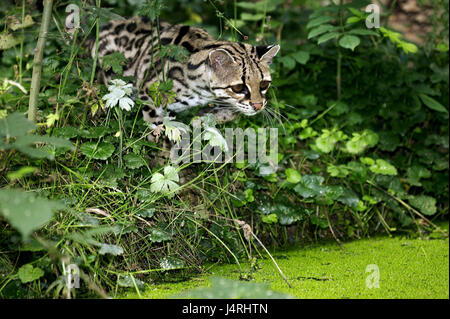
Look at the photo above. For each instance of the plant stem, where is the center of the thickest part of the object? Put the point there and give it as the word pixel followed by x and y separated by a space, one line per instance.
pixel 21 43
pixel 37 61
pixel 97 31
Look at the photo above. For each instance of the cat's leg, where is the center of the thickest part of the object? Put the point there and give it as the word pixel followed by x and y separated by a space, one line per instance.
pixel 221 114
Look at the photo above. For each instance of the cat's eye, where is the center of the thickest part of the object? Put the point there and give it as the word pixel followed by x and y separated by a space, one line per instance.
pixel 264 85
pixel 239 88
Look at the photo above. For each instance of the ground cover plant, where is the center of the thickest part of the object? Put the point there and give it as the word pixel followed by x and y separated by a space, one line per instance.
pixel 363 138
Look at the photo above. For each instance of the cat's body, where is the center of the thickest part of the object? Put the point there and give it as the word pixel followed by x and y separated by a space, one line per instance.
pixel 233 76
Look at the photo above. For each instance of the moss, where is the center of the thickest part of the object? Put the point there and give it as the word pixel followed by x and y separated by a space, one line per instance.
pixel 408 268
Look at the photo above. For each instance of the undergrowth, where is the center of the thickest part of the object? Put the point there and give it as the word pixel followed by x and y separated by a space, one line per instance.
pixel 362 119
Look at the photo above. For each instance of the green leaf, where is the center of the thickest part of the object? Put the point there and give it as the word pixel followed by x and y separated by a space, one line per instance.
pixel 363 32
pixel 310 186
pixel 349 198
pixel 147 212
pixel 425 204
pixel 28 273
pixel 101 151
pixel 383 167
pixel 340 171
pixel 415 173
pixel 25 211
pixel 66 132
pixel 320 30
pixel 270 219
pixel 352 20
pixel 349 42
pixel 318 21
pixel 23 171
pixel 287 61
pixel 133 161
pixel 286 214
pixel 168 263
pixel 166 183
pixel 432 103
pixel 252 17
pixel 15 124
pixel 129 281
pixel 408 47
pixel 293 176
pixel 321 222
pixel 158 235
pixel 301 57
pixel 327 36
pixel 94 132
pixel 115 61
pixel 110 250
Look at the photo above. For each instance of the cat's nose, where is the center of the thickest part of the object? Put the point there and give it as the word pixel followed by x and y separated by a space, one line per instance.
pixel 257 106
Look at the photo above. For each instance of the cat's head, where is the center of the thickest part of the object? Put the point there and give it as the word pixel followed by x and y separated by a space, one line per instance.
pixel 240 75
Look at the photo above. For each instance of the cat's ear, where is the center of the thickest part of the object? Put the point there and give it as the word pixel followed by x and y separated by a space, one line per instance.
pixel 266 53
pixel 220 59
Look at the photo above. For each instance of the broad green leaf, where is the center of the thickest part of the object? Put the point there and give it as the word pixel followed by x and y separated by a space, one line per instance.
pixel 425 204
pixel 432 103
pixel 146 212
pixel 310 186
pixel 133 161
pixel 383 167
pixel 415 173
pixel 94 132
pixel 168 263
pixel 287 61
pixel 340 171
pixel 28 273
pixel 286 214
pixel 66 132
pixel 270 219
pixel 321 222
pixel 293 176
pixel 301 57
pixel 349 198
pixel 318 21
pixel 408 47
pixel 101 151
pixel 320 30
pixel 158 235
pixel 252 17
pixel 129 281
pixel 110 250
pixel 327 36
pixel 349 42
pixel 215 138
pixel 166 183
pixel 25 211
pixel 15 124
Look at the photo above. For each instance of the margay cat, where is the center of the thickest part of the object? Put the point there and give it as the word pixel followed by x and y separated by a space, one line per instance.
pixel 233 76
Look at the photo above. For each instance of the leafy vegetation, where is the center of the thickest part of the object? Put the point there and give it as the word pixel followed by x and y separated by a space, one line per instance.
pixel 362 117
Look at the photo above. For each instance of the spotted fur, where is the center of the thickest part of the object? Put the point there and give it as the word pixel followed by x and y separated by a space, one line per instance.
pixel 232 76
